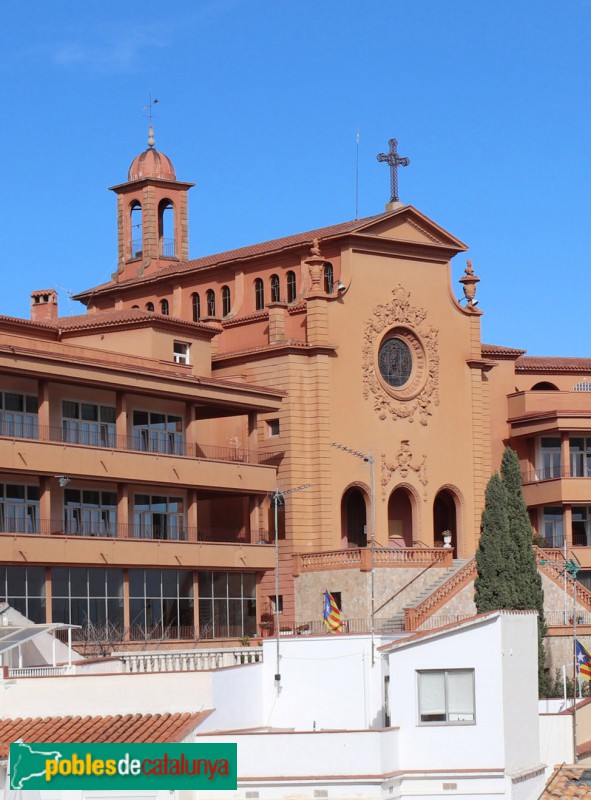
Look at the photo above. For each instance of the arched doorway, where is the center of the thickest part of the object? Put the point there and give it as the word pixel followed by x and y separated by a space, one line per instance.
pixel 354 518
pixel 445 519
pixel 400 529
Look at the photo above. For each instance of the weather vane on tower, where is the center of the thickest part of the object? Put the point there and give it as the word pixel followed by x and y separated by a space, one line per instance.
pixel 149 112
pixel 394 160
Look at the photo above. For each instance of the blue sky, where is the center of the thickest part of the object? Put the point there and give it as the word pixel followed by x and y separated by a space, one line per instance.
pixel 260 101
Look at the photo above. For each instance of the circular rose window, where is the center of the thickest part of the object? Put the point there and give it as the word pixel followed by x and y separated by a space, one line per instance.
pixel 401 363
pixel 395 362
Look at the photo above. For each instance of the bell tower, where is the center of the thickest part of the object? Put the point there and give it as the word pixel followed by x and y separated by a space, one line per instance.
pixel 152 217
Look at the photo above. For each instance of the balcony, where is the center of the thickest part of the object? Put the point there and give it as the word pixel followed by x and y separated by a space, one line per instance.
pixel 536 412
pixel 168 530
pixel 554 486
pixel 138 459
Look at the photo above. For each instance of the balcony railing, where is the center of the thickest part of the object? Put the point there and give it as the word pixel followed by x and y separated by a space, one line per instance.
pixel 555 473
pixel 156 442
pixel 177 532
pixel 167 247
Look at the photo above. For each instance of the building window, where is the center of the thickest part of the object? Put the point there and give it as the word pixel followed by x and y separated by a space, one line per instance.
pixel 581 526
pixel 90 597
pixel 276 601
pixel 550 463
pixel 275 290
pixel 89 424
pixel 19 508
pixel 580 458
pixel 583 386
pixel 259 294
pixel 164 309
pixel 159 517
pixel 328 278
pixel 553 526
pixel 227 604
pixel 23 588
pixel 135 221
pixel 446 696
pixel 210 295
pixel 226 304
pixel 291 286
pixel 90 512
pixel 149 306
pixel 154 432
pixel 18 415
pixel 181 353
pixel 273 427
pixel 161 602
pixel 196 306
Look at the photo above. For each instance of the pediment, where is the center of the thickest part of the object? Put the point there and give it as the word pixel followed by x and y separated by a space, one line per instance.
pixel 408 224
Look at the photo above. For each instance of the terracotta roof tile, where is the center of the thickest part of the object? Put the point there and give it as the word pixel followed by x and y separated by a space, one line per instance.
pixel 568 781
pixel 140 728
pixel 553 364
pixel 100 319
pixel 496 350
pixel 259 249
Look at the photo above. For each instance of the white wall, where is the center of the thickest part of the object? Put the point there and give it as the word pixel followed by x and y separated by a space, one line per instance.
pixel 326 681
pixel 237 698
pixel 148 693
pixel 556 739
pixel 519 653
pixel 441 746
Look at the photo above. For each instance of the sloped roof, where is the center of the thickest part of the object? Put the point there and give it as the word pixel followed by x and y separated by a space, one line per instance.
pixel 141 728
pixel 497 351
pixel 264 248
pixel 129 316
pixel 568 781
pixel 553 364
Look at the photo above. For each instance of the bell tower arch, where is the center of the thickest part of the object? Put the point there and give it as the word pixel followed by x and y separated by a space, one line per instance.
pixel 152 215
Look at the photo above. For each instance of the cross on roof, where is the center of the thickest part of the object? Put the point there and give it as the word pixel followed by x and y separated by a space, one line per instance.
pixel 395 161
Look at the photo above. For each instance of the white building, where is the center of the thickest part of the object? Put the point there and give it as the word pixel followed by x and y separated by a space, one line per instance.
pixel 451 712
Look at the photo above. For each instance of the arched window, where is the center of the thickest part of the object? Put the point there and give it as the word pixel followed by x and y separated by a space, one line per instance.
pixel 291 286
pixel 259 294
pixel 164 307
pixel 149 306
pixel 210 303
pixel 275 288
pixel 135 306
pixel 196 306
pixel 135 222
pixel 328 278
pixel 166 228
pixel 226 304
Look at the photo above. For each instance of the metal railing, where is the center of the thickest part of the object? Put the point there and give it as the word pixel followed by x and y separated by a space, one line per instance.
pixel 119 530
pixel 165 443
pixel 167 247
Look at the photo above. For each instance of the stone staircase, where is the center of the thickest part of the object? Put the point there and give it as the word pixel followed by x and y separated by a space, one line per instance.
pixel 395 622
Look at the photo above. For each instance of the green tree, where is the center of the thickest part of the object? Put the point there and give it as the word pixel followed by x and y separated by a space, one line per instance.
pixel 494 585
pixel 508 575
pixel 528 582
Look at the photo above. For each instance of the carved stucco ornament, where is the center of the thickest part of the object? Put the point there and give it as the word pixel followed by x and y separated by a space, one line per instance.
pixel 316 263
pixel 407 322
pixel 403 464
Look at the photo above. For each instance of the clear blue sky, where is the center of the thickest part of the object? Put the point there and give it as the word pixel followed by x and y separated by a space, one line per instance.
pixel 259 104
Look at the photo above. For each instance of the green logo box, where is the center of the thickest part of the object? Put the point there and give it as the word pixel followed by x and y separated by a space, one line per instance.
pixel 123 766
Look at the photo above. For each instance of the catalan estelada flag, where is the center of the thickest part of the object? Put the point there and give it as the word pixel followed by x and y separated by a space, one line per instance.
pixel 583 659
pixel 333 619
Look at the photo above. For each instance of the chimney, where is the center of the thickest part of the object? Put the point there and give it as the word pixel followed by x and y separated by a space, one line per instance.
pixel 44 305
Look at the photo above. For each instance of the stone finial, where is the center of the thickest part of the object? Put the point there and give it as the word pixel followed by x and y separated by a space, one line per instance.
pixel 469 281
pixel 151 140
pixel 316 262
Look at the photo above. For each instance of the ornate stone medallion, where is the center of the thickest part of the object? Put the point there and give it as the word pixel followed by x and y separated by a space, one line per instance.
pixel 401 360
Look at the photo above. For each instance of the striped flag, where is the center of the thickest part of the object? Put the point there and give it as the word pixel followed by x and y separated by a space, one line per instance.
pixel 583 660
pixel 333 619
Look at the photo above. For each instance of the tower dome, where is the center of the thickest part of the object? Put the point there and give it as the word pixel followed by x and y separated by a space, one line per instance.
pixel 151 164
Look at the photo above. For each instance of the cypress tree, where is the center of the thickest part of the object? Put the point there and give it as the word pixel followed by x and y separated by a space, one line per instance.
pixel 528 582
pixel 494 585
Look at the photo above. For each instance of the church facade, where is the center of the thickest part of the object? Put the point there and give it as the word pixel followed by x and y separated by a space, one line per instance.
pixel 327 390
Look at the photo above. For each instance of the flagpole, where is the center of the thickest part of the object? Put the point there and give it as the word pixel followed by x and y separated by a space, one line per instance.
pixel 575 669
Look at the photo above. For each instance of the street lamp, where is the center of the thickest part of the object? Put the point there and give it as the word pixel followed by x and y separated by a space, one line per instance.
pixel 368 459
pixel 278 497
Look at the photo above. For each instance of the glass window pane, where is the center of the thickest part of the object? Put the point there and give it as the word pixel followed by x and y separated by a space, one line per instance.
pixel 16 581
pixel 36 610
pixel 234 584
pixel 249 584
pixel 69 409
pixel 185 583
pixel 96 582
pixel 220 584
pixel 59 582
pixel 107 414
pixel 432 696
pixel 153 583
pixel 115 582
pixel 460 695
pixel 89 412
pixel 136 583
pixel 204 580
pixel 60 609
pixel 31 404
pixel 36 581
pixel 13 402
pixel 206 630
pixel 78 582
pixel 169 583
